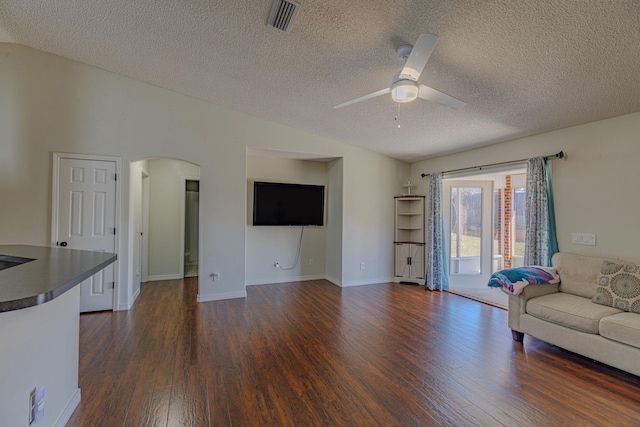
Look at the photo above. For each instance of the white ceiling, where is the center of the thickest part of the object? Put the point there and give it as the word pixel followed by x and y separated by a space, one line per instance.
pixel 523 67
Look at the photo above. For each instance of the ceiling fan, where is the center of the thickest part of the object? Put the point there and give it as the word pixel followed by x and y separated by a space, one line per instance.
pixel 405 87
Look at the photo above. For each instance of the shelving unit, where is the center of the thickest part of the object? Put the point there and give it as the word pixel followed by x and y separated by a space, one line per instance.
pixel 409 239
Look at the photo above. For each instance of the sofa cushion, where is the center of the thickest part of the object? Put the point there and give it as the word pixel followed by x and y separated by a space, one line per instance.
pixel 569 310
pixel 622 327
pixel 619 286
pixel 578 273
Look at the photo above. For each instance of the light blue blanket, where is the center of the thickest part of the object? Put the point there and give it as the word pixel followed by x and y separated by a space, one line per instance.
pixel 515 279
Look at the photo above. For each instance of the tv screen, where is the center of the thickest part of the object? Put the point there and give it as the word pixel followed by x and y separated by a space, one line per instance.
pixel 287 204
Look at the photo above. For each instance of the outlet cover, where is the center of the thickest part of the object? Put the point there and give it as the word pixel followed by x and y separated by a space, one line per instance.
pixel 583 239
pixel 32 406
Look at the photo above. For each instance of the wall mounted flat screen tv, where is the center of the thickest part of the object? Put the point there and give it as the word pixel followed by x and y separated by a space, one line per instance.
pixel 287 204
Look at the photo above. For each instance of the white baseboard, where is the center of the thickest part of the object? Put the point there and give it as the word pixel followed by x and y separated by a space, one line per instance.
pixel 163 277
pixel 285 279
pixel 218 297
pixel 68 410
pixel 135 297
pixel 127 305
pixel 333 280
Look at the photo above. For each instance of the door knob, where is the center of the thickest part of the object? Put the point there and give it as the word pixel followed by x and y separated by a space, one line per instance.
pixel 63 244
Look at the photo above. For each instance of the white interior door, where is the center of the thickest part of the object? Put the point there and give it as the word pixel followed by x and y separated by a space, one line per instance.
pixel 467 211
pixel 86 212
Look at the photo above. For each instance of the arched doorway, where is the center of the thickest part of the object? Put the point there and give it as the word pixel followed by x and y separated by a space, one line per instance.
pixel 158 200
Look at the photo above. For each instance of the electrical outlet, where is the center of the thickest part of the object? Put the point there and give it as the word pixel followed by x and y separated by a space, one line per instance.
pixel 36 405
pixel 310 261
pixel 32 406
pixel 39 404
pixel 362 266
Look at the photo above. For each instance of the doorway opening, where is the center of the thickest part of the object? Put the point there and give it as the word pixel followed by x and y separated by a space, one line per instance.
pixel 485 225
pixel 191 229
pixel 162 230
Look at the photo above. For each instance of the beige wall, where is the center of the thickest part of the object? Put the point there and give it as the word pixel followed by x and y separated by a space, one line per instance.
pixel 595 188
pixel 51 104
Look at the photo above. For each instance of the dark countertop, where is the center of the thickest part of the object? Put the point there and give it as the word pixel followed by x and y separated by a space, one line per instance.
pixel 52 272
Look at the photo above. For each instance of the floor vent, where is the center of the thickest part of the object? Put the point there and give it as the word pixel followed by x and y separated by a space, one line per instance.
pixel 282 14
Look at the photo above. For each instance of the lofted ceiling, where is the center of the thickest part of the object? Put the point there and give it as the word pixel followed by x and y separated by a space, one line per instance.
pixel 522 67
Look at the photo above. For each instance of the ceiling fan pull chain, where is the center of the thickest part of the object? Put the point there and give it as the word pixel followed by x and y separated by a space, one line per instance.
pixel 397 118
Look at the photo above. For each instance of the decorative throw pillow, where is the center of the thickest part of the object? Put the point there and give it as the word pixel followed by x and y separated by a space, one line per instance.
pixel 619 286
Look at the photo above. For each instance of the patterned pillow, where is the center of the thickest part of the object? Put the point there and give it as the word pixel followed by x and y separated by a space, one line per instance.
pixel 619 286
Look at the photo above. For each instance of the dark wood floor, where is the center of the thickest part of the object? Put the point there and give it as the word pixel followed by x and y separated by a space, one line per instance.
pixel 313 354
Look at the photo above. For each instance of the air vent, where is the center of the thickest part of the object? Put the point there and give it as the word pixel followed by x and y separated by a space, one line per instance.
pixel 282 14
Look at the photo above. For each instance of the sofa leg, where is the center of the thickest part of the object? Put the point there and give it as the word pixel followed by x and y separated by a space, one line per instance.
pixel 517 336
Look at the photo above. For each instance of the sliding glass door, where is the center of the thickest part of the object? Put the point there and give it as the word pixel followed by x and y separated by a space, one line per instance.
pixel 468 213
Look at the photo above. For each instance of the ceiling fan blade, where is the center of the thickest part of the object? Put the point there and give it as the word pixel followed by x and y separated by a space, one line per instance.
pixel 362 98
pixel 419 56
pixel 425 92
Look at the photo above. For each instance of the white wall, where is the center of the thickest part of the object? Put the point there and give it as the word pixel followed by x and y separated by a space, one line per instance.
pixel 34 356
pixel 136 225
pixel 166 216
pixel 51 104
pixel 368 221
pixel 595 188
pixel 268 244
pixel 335 181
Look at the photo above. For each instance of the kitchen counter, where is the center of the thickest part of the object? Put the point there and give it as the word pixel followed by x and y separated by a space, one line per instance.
pixel 52 272
pixel 39 343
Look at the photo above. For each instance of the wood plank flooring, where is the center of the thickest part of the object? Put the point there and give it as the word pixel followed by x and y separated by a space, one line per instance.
pixel 314 354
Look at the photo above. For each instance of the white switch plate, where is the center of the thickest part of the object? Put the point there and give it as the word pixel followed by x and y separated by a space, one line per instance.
pixel 216 277
pixel 583 239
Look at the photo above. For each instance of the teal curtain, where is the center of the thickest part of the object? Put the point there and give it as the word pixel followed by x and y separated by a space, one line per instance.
pixel 553 239
pixel 437 274
pixel 540 240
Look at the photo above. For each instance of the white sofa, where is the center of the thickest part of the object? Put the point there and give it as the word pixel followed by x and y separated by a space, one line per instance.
pixel 564 315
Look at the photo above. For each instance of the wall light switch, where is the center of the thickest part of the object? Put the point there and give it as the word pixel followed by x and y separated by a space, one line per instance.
pixel 583 239
pixel 216 277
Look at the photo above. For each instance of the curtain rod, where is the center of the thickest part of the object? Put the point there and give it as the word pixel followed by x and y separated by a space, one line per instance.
pixel 558 155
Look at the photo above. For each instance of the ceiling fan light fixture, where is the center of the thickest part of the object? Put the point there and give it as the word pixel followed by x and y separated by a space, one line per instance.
pixel 404 91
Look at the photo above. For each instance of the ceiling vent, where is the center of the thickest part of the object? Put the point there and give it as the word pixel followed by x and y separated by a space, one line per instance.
pixel 282 14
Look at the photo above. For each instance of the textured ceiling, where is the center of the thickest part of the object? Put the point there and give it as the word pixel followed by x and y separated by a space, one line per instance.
pixel 523 67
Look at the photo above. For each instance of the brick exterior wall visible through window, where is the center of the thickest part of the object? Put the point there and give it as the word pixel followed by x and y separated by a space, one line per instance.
pixel 508 218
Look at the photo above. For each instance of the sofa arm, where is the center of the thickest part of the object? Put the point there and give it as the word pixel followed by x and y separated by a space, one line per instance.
pixel 518 303
pixel 533 291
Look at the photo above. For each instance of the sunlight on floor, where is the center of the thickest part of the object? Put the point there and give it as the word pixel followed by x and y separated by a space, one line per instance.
pixel 493 296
